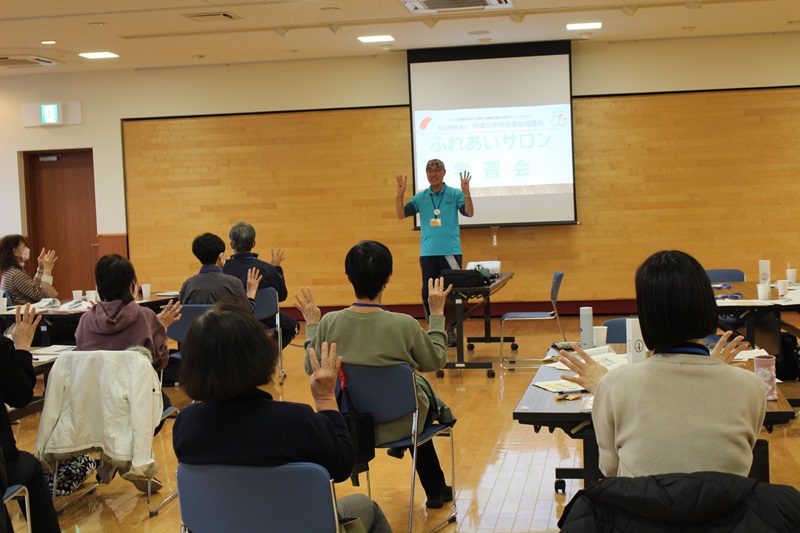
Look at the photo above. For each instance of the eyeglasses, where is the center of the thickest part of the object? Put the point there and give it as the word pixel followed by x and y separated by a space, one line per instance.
pixel 731 296
pixel 434 169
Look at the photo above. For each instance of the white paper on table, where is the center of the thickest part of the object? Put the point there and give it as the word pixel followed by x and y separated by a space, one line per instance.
pixel 53 350
pixel 168 294
pixel 44 358
pixel 75 305
pixel 609 360
pixel 744 355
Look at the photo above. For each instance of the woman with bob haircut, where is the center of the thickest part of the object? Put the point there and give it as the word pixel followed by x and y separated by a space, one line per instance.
pixel 684 409
pixel 117 322
pixel 227 356
pixel 366 333
pixel 14 253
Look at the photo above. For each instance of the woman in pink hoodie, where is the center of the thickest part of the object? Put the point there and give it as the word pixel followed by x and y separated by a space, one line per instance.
pixel 117 322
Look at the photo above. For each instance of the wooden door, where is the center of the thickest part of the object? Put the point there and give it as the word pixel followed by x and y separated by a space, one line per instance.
pixel 61 215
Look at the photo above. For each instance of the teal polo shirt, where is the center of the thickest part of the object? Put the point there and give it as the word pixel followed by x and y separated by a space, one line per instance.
pixel 444 239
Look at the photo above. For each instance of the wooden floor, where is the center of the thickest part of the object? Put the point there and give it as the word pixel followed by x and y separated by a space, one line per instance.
pixel 505 471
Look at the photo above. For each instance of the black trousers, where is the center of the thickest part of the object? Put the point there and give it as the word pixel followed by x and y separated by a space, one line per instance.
pixel 27 470
pixel 432 267
pixel 429 470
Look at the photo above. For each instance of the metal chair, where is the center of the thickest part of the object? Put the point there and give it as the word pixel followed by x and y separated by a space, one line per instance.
pixel 99 383
pixel 253 499
pixel 16 492
pixel 177 330
pixel 267 305
pixel 617 334
pixel 511 364
pixel 725 322
pixel 390 393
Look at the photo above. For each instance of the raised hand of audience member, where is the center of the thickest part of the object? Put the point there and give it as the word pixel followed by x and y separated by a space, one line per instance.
pixel 46 260
pixel 25 328
pixel 305 304
pixel 323 377
pixel 171 313
pixel 725 351
pixel 253 279
pixel 589 371
pixel 278 255
pixel 437 295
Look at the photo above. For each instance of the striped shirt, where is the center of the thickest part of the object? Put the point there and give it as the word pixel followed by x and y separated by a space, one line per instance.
pixel 24 289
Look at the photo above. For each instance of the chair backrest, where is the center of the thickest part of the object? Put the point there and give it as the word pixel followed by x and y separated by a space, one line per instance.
pixel 266 304
pixel 388 392
pixel 554 288
pixel 557 277
pixel 291 497
pixel 177 330
pixel 617 333
pixel 725 275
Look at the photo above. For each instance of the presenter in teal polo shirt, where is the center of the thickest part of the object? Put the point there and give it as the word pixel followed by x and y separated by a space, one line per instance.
pixel 438 207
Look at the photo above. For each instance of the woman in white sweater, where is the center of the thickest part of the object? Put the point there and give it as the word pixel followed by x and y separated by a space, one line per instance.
pixel 684 409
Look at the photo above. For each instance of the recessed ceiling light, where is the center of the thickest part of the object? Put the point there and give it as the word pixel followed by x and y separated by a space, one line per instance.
pixel 331 8
pixel 97 24
pixel 477 32
pixel 585 26
pixel 98 55
pixel 376 39
pixel 48 42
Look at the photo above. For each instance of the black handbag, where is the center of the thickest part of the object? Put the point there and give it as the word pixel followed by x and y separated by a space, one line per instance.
pixel 464 278
pixel 361 426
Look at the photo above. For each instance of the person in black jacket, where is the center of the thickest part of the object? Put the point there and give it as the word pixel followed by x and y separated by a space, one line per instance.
pixel 243 239
pixel 17 380
pixel 226 356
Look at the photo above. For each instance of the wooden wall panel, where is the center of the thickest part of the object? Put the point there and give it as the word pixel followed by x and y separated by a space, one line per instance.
pixel 711 173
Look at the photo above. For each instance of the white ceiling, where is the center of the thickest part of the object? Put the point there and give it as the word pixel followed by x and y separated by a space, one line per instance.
pixel 157 33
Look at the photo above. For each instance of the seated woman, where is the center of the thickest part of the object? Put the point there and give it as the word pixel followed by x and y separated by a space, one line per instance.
pixel 117 322
pixel 684 409
pixel 230 345
pixel 367 334
pixel 16 282
pixel 17 380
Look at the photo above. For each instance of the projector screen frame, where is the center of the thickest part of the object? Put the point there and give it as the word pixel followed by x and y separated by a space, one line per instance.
pixel 497 51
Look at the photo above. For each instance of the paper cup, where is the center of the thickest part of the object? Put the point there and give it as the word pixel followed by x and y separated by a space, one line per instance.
pixel 145 291
pixel 763 291
pixel 764 366
pixel 3 304
pixel 791 275
pixel 599 334
pixel 91 296
pixel 783 288
pixel 77 295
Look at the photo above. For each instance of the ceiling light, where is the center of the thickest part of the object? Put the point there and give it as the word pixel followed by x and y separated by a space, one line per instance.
pixel 485 40
pixel 585 34
pixel 429 22
pixel 630 10
pixel 47 42
pixel 376 39
pixel 280 30
pixel 97 24
pixel 694 5
pixel 330 8
pixel 517 17
pixel 477 32
pixel 688 29
pixel 585 26
pixel 98 55
pixel 335 27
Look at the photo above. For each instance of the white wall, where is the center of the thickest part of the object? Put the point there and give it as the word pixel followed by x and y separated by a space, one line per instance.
pixel 108 97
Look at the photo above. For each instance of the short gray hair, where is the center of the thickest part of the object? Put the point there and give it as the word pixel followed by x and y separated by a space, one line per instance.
pixel 242 236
